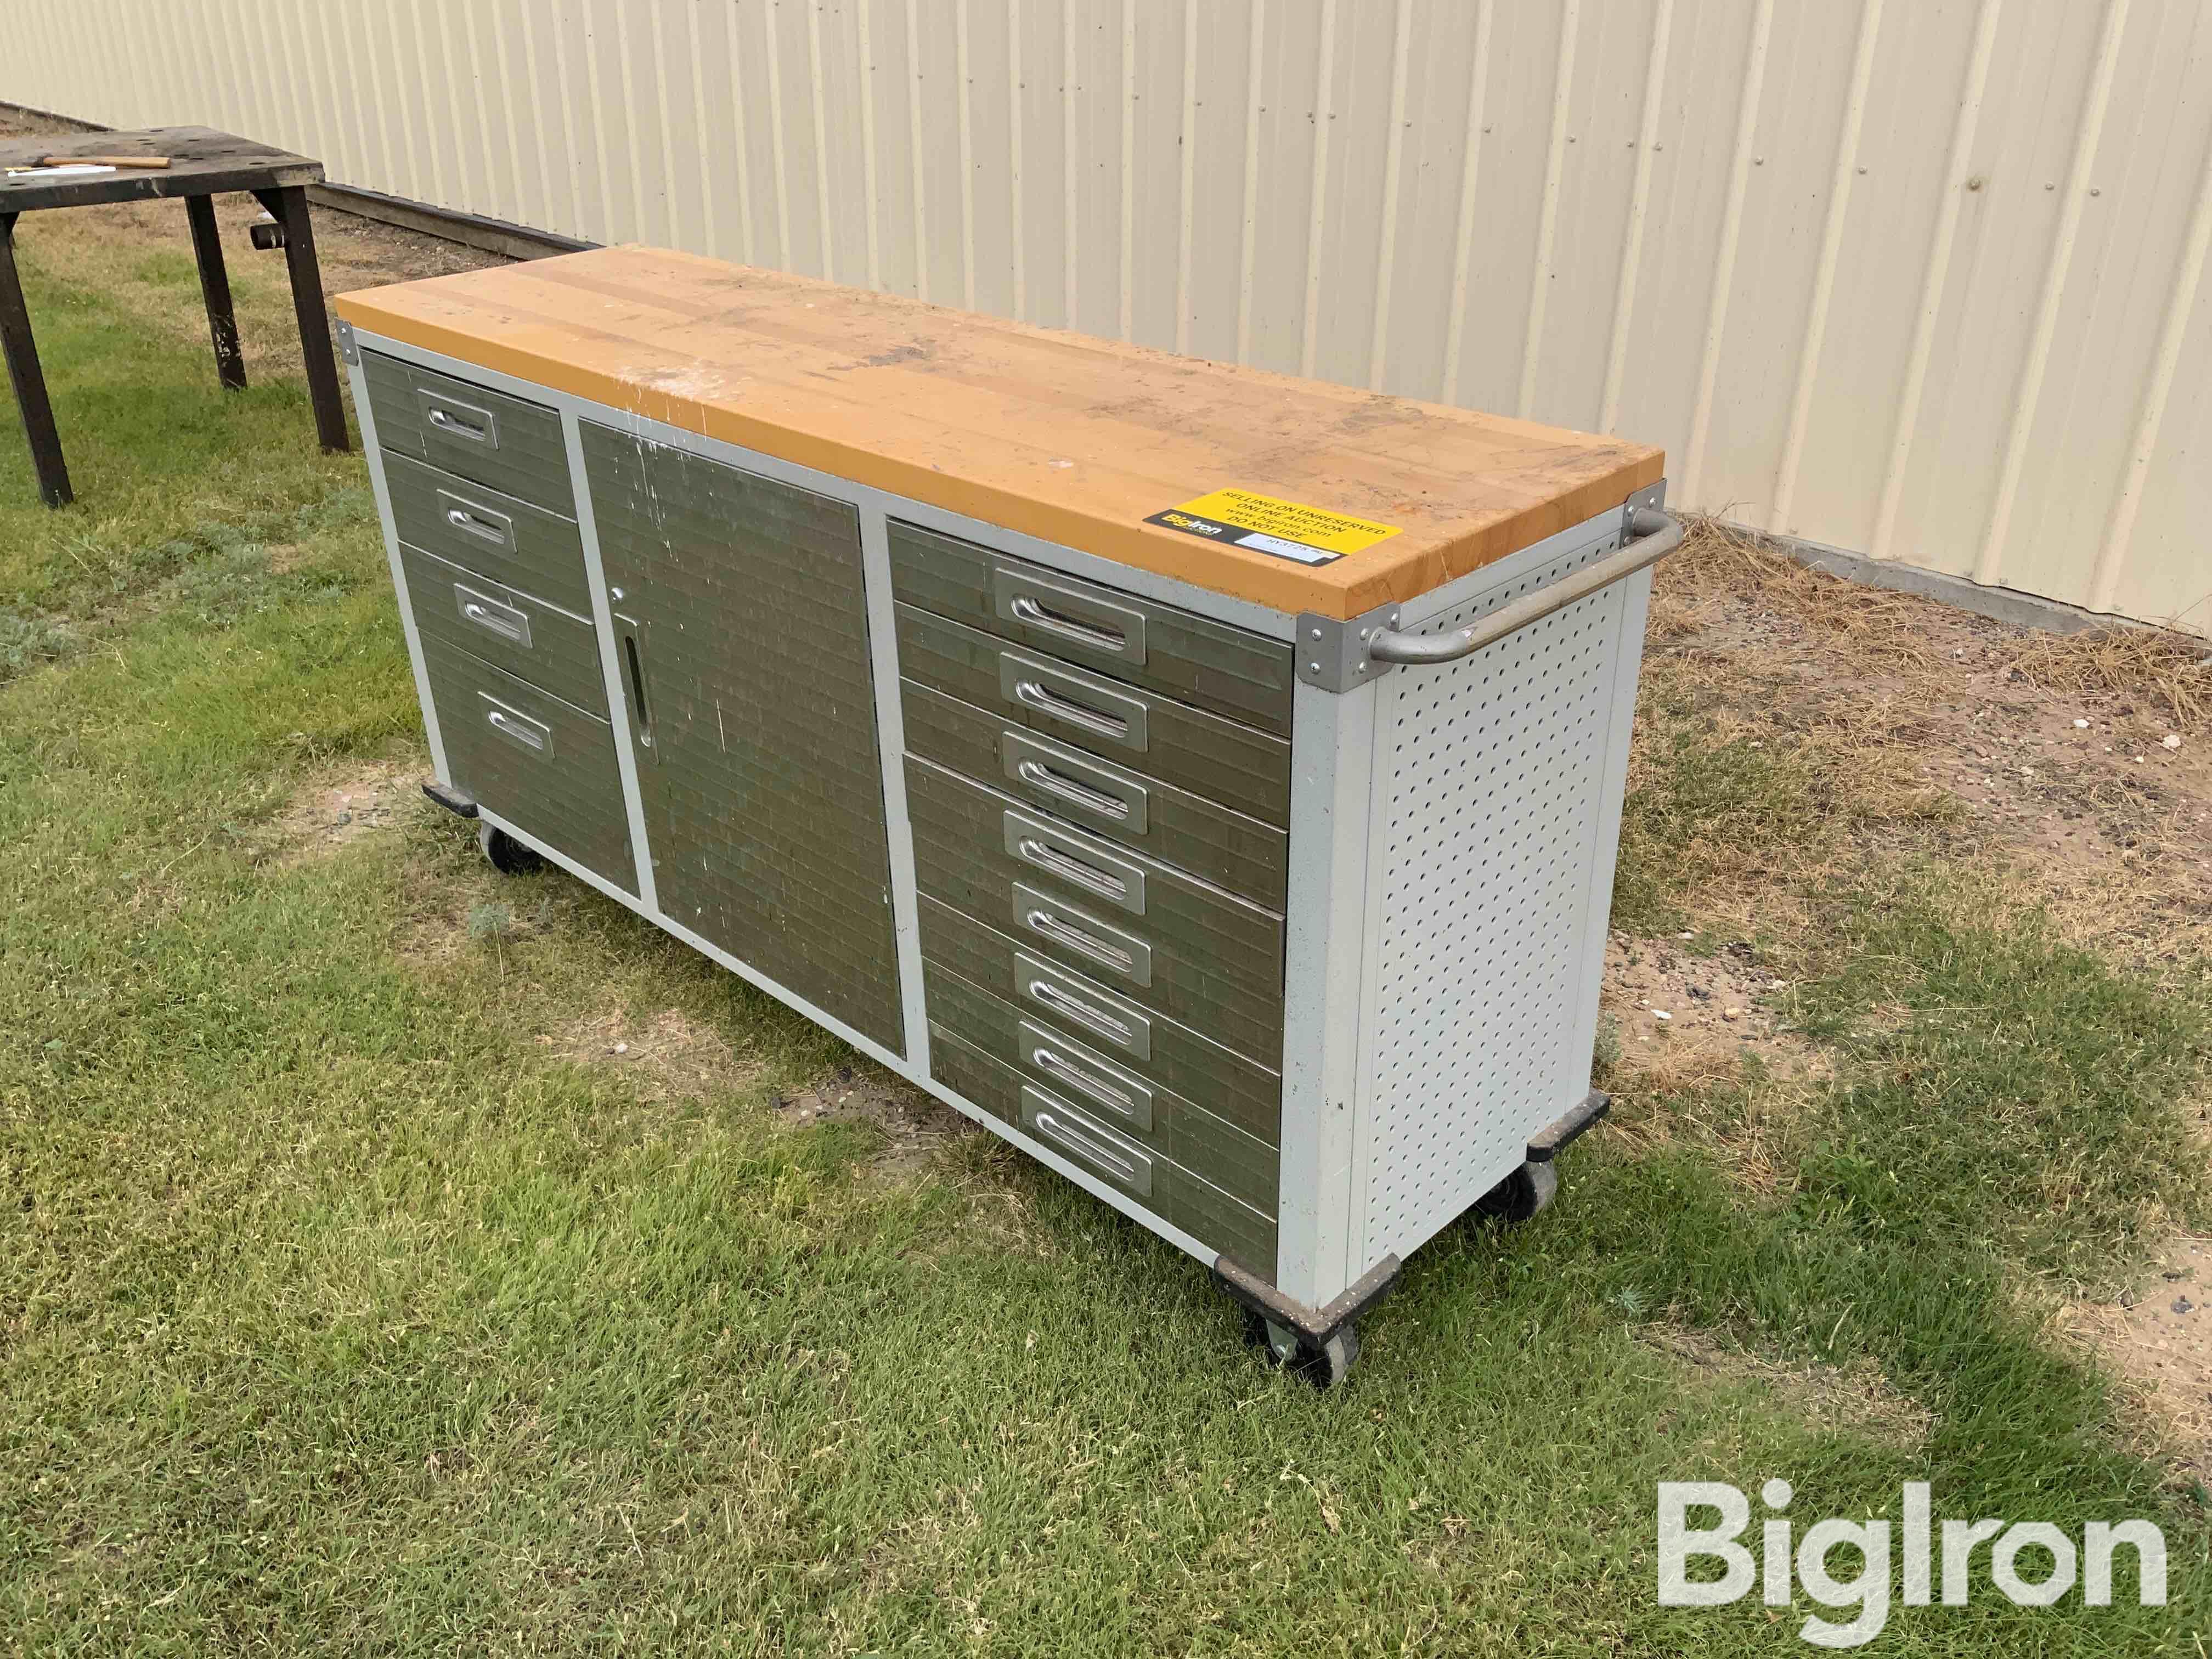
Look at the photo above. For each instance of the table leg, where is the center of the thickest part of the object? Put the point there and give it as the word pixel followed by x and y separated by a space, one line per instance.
pixel 30 384
pixel 289 206
pixel 215 289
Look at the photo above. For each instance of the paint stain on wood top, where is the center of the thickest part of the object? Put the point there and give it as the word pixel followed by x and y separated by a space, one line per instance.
pixel 1074 440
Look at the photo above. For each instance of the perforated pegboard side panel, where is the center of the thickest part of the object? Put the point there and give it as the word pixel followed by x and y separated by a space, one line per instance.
pixel 1490 780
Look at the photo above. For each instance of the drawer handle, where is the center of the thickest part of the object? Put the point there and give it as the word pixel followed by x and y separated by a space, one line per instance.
pixel 462 421
pixel 480 522
pixel 1041 777
pixel 1128 1171
pixel 1075 1140
pixel 1045 856
pixel 1117 1031
pixel 1054 1064
pixel 1046 925
pixel 1027 609
pixel 489 614
pixel 519 730
pixel 1046 702
pixel 1086 620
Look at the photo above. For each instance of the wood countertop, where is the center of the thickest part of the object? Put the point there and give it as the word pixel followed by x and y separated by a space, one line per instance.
pixel 1153 460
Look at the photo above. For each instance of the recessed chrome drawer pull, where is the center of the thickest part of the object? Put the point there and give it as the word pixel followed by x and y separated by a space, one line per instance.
pixel 454 419
pixel 1088 936
pixel 1107 1018
pixel 481 522
pixel 1045 702
pixel 1087 703
pixel 1093 1144
pixel 1091 868
pixel 517 727
pixel 1071 1064
pixel 1087 621
pixel 483 611
pixel 1076 784
pixel 1042 777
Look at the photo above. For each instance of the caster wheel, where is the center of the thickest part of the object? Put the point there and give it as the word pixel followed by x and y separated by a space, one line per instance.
pixel 1323 1364
pixel 1520 1196
pixel 508 856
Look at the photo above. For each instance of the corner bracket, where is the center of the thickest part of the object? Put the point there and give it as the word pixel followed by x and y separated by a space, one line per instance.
pixel 1332 654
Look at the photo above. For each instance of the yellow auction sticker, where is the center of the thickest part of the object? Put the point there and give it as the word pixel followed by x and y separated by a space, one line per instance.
pixel 1267 523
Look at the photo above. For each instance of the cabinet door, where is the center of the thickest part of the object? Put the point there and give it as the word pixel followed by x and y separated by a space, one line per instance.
pixel 743 624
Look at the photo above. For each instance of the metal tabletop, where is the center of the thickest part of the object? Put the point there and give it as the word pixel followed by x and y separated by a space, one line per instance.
pixel 203 162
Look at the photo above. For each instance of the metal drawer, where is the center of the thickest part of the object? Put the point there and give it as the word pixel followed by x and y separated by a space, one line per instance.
pixel 1210 664
pixel 528 638
pixel 1160 1120
pixel 1177 1196
pixel 1159 937
pixel 1153 1045
pixel 484 435
pixel 485 530
pixel 1171 824
pixel 1217 758
pixel 543 766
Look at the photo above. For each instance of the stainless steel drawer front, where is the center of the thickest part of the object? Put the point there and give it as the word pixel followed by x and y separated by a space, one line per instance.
pixel 1097 1081
pixel 1182 830
pixel 511 630
pixel 1069 615
pixel 1079 863
pixel 1100 944
pixel 1220 760
pixel 501 538
pixel 534 760
pixel 491 438
pixel 1168 1055
pixel 1226 671
pixel 1092 1144
pixel 1181 1196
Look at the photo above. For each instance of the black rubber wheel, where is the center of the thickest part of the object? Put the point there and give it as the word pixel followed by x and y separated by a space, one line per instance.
pixel 508 856
pixel 1324 1364
pixel 1521 1196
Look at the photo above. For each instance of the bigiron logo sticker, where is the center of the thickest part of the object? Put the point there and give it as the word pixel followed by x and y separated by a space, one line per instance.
pixel 1267 523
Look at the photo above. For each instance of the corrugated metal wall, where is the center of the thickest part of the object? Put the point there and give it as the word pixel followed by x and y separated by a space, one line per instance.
pixel 1922 280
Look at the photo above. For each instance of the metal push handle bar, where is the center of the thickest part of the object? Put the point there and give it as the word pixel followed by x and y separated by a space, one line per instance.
pixel 1656 534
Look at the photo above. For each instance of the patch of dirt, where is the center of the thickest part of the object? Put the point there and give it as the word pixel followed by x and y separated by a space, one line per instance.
pixel 2159 1342
pixel 915 1125
pixel 1688 1018
pixel 1857 1398
pixel 668 1056
pixel 2083 762
pixel 341 807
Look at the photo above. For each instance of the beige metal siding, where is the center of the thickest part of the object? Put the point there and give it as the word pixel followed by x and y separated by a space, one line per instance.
pixel 1926 281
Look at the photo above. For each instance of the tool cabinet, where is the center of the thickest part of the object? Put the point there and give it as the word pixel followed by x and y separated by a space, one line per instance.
pixel 1207 781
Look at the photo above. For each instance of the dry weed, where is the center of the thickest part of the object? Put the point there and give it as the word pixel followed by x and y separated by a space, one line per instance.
pixel 2171 672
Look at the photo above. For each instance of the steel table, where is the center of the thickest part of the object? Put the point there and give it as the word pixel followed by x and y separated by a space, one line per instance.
pixel 203 163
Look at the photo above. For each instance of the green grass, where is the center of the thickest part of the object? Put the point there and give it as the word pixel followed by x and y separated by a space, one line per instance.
pixel 335 1313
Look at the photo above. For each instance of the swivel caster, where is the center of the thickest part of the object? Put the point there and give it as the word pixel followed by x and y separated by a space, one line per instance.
pixel 1324 1364
pixel 508 856
pixel 1520 1196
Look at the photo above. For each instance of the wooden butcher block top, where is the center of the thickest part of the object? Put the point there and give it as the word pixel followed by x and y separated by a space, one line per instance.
pixel 1167 463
